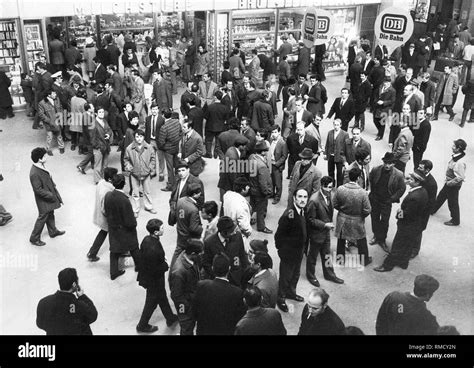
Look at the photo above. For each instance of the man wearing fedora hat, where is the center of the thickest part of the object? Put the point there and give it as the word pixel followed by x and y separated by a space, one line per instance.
pixel 228 241
pixel 261 186
pixel 305 175
pixel 297 142
pixel 416 319
pixel 411 216
pixel 387 186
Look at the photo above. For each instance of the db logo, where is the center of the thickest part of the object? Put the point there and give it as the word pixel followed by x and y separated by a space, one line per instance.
pixel 310 23
pixel 323 24
pixel 394 24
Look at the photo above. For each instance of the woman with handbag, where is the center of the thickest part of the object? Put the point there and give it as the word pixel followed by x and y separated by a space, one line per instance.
pixel 151 276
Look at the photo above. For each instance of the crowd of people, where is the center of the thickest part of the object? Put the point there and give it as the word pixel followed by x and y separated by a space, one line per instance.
pixel 220 281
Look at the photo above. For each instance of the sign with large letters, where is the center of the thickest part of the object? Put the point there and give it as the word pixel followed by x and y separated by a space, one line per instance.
pixel 326 27
pixel 309 27
pixel 393 27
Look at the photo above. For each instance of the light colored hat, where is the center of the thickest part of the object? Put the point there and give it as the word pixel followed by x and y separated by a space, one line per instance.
pixel 56 75
pixel 89 41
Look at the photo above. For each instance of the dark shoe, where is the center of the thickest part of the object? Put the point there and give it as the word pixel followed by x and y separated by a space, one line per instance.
pixel 266 231
pixel 276 201
pixel 92 258
pixel 278 100
pixel 450 223
pixel 282 306
pixel 172 321
pixel 373 241
pixel 335 279
pixel 403 266
pixel 49 152
pixel 451 118
pixel 369 261
pixel 57 233
pixel 314 282
pixel 378 138
pixel 253 221
pixel 413 255
pixel 81 170
pixel 73 147
pixel 296 297
pixel 166 189
pixel 382 269
pixel 61 150
pixel 161 178
pixel 120 273
pixel 147 329
pixel 38 243
pixel 384 247
pixel 151 210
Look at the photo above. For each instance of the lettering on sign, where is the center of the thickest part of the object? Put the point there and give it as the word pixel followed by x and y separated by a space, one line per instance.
pixel 323 24
pixel 393 27
pixel 393 23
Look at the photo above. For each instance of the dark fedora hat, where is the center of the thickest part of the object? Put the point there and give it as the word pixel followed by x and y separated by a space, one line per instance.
pixel 261 146
pixel 306 154
pixel 389 158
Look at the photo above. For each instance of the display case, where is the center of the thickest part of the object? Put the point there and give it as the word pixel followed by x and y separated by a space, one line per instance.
pixel 290 25
pixel 9 51
pixel 139 25
pixel 254 31
pixel 34 42
pixel 79 28
pixel 170 26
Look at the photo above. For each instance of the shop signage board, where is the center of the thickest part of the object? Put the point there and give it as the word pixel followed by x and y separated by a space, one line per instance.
pixel 309 27
pixel 393 27
pixel 326 27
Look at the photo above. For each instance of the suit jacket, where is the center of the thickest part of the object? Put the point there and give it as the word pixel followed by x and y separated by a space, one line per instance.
pixel 207 93
pixel 311 181
pixel 319 212
pixel 231 101
pixel 122 124
pixel 122 222
pixel 302 90
pixel 327 323
pixel 184 107
pixel 225 140
pixel 421 135
pixel 410 60
pixel 307 117
pixel 302 64
pixel 261 321
pixel 432 189
pixel 217 307
pixel 236 64
pixel 403 145
pixel 380 52
pixel 414 207
pixel 363 180
pixel 262 115
pixel 295 148
pixel 183 279
pixel 227 177
pixel 396 182
pixel 251 136
pixel 429 90
pixel 216 117
pixel 346 113
pixel 196 115
pixel 184 192
pixel 160 120
pixel 98 140
pixel 315 102
pixel 362 96
pixel 64 314
pixel 280 154
pixel 100 74
pixel 162 94
pixel 192 148
pixel 414 102
pixel 388 97
pixel 335 146
pixel 291 235
pixel 450 90
pixel 349 149
pixel 267 282
pixel 260 178
pixel 152 262
pixel 188 223
pixel 313 131
pixel 47 196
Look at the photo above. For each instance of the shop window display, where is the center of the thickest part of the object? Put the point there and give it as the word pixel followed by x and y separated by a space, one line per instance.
pixel 80 28
pixel 10 61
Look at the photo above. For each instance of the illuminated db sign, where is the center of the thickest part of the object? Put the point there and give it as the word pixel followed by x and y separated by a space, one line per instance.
pixel 326 27
pixel 309 27
pixel 323 24
pixel 393 27
pixel 393 23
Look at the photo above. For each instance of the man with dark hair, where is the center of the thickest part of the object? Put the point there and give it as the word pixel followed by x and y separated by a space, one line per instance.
pixel 237 64
pixel 189 94
pixel 69 311
pixel 421 136
pixel 262 113
pixel 216 116
pixel 411 221
pixel 46 196
pixel 207 90
pixel 113 51
pixel 333 151
pixel 351 145
pixel 446 89
pixel 115 103
pixel 353 205
pixel 343 108
pixel 362 159
pixel 259 320
pixel 230 97
pixel 361 100
pixel 140 164
pixel 297 143
pixel 183 279
pixel 429 89
pixel 425 167
pixel 455 175
pixel 103 187
pixel 191 148
pixel 226 75
pixel 188 221
pixel 117 83
pixel 387 186
pixel 195 113
pixel 406 313
pixel 122 226
pixel 209 213
pixel 162 92
pixel 383 104
pixel 284 73
pixel 152 277
pixel 278 154
pixel 218 305
pixel 226 139
pixel 153 124
pixel 50 113
pixel 316 97
pixel 237 207
pixel 290 240
pixel 168 141
pixel 320 213
pixel 318 318
pixel 249 134
pixel 261 273
pixel 228 241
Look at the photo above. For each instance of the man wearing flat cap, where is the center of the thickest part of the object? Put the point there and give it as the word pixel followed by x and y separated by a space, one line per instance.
pixel 387 186
pixel 228 241
pixel 261 186
pixel 305 175
pixel 406 313
pixel 411 219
